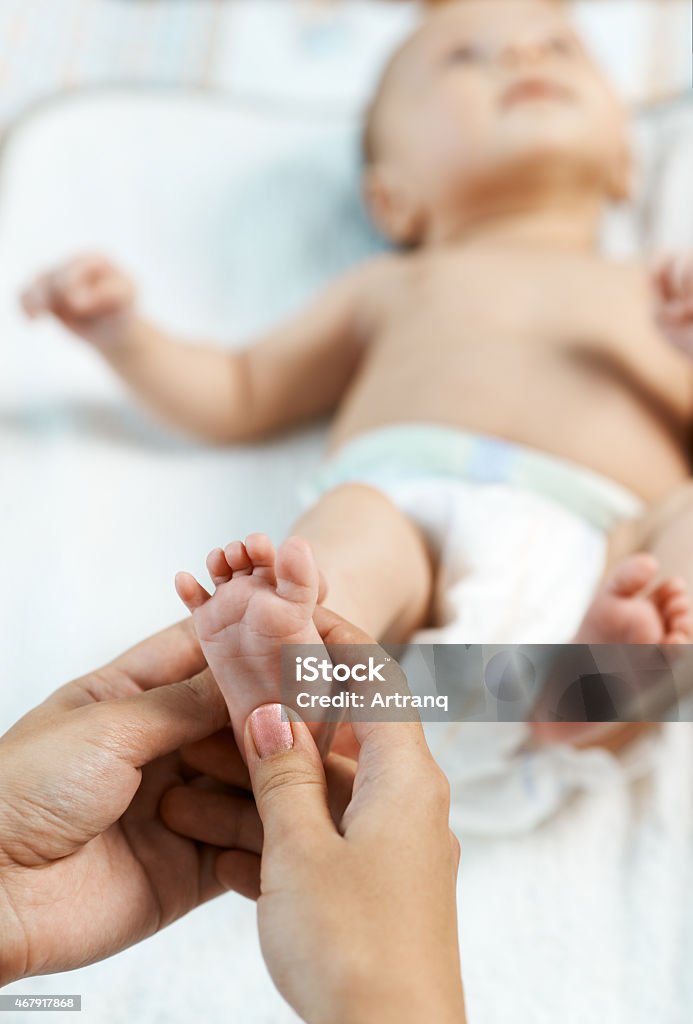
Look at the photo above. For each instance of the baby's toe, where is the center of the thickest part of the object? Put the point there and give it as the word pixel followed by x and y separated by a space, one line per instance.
pixel 633 575
pixel 674 603
pixel 191 593
pixel 679 631
pixel 679 605
pixel 262 554
pixel 238 559
pixel 218 568
pixel 679 622
pixel 672 596
pixel 298 579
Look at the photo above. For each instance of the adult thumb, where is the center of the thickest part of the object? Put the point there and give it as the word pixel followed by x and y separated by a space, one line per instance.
pixel 287 775
pixel 150 725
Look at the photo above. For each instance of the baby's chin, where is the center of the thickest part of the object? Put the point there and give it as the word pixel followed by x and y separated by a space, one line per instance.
pixel 524 158
pixel 544 128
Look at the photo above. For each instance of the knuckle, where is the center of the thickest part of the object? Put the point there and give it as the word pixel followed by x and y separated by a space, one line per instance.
pixel 108 729
pixel 283 777
pixel 200 695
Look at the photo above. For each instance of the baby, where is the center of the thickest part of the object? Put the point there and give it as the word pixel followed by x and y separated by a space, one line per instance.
pixel 503 396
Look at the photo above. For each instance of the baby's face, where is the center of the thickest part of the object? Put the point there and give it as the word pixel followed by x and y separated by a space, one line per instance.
pixel 486 91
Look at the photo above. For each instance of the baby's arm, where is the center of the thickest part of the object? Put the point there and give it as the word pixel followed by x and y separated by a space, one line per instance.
pixel 673 281
pixel 292 374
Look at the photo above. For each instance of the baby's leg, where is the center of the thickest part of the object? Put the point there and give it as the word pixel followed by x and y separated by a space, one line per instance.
pixel 373 559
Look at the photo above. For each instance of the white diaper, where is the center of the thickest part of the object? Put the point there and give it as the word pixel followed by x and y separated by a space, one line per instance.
pixel 519 536
pixel 520 541
pixel 513 567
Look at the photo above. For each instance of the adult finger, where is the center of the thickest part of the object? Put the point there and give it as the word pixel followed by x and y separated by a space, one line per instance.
pixel 350 645
pixel 222 819
pixel 141 728
pixel 288 778
pixel 239 871
pixel 218 756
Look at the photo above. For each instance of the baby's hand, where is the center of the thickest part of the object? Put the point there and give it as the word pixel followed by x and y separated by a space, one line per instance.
pixel 88 295
pixel 673 282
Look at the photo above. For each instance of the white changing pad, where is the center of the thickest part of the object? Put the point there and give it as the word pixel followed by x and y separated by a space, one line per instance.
pixel 229 218
pixel 177 188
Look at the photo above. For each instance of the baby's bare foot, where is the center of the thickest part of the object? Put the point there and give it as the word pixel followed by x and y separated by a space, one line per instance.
pixel 628 611
pixel 262 601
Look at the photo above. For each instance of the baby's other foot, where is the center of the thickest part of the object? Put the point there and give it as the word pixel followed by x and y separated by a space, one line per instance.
pixel 262 600
pixel 627 610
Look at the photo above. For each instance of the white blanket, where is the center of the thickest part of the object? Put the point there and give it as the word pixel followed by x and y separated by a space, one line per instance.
pixel 585 918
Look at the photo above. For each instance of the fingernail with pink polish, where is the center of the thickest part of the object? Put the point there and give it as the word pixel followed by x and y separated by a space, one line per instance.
pixel 271 730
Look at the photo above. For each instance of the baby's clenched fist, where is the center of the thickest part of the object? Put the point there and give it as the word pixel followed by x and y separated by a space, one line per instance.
pixel 673 282
pixel 89 295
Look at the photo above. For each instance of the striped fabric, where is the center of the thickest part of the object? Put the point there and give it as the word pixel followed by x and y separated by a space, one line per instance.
pixel 50 45
pixel 319 49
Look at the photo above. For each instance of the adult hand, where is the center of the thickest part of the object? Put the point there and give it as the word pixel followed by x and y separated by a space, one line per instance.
pixel 87 867
pixel 356 887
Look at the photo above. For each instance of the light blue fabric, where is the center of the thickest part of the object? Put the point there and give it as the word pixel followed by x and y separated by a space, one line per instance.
pixel 416 450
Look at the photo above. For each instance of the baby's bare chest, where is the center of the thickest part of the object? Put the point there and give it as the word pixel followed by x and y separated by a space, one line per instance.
pixel 529 316
pixel 535 304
